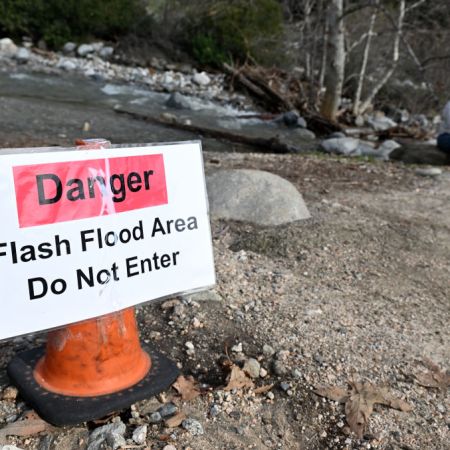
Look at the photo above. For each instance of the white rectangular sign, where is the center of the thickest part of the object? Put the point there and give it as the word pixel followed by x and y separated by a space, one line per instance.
pixel 89 232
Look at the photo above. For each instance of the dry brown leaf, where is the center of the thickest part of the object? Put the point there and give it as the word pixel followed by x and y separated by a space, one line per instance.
pixel 263 389
pixel 26 427
pixel 434 378
pixel 187 388
pixel 359 402
pixel 175 421
pixel 332 392
pixel 238 379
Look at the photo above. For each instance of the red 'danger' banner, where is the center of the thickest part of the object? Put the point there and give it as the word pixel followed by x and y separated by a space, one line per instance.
pixel 59 192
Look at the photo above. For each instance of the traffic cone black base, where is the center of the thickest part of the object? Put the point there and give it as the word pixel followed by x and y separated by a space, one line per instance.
pixel 63 410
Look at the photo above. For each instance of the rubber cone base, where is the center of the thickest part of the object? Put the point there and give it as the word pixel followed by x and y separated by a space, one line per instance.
pixel 62 410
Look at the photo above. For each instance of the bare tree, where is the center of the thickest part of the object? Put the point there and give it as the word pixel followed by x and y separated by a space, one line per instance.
pixel 334 75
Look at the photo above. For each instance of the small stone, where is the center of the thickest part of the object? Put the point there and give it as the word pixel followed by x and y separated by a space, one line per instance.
pixel 9 393
pixel 196 323
pixel 193 426
pixel 285 386
pixel 252 368
pixel 296 374
pixel 170 447
pixel 214 410
pixel 155 417
pixel 66 64
pixel 340 424
pixel 69 47
pixel 262 372
pixel 323 434
pixel 202 79
pixel 237 348
pixel 10 447
pixel 168 410
pixel 7 47
pixel 22 55
pixel 111 434
pixel 106 52
pixel 85 49
pixel 268 350
pixel 429 171
pixel 140 435
pixel 279 368
pixel 270 395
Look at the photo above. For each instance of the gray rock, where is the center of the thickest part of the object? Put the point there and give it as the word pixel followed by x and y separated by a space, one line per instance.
pixel 388 146
pixel 381 123
pixel 254 196
pixel 303 134
pixel 214 410
pixel 268 350
pixel 85 49
pixel 202 79
pixel 140 435
pixel 341 146
pixel 66 64
pixel 111 434
pixel 10 447
pixel 203 296
pixel 252 368
pixel 7 47
pixel 22 55
pixel 193 426
pixel 106 52
pixel 178 101
pixel 337 134
pixel 168 410
pixel 279 368
pixel 69 47
pixel 155 417
pixel 429 171
pixel 291 118
pixel 285 386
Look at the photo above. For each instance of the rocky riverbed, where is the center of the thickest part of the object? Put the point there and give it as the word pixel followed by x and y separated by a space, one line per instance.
pixel 359 291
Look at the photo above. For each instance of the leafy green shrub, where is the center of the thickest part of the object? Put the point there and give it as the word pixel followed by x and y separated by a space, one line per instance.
pixel 233 29
pixel 58 21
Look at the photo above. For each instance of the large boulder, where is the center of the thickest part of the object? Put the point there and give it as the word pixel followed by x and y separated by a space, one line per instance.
pixel 341 146
pixel 7 47
pixel 254 196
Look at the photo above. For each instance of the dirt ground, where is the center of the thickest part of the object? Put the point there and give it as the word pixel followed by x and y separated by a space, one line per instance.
pixel 358 292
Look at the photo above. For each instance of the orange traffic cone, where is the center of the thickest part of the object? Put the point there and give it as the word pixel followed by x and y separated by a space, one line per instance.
pixel 90 368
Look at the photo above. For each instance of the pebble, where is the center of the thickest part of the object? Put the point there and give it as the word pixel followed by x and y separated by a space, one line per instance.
pixel 285 386
pixel 202 79
pixel 85 49
pixel 429 171
pixel 268 350
pixel 237 348
pixel 193 426
pixel 111 434
pixel 262 372
pixel 214 410
pixel 10 447
pixel 140 435
pixel 296 374
pixel 170 447
pixel 155 417
pixel 168 410
pixel 270 395
pixel 252 368
pixel 279 368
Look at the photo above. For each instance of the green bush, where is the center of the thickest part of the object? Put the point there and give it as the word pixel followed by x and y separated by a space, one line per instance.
pixel 58 21
pixel 225 30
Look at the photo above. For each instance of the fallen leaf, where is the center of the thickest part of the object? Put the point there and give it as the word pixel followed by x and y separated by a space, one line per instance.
pixel 359 402
pixel 175 421
pixel 435 378
pixel 332 392
pixel 238 379
pixel 263 389
pixel 187 388
pixel 27 427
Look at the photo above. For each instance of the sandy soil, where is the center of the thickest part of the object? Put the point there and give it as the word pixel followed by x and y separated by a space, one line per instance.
pixel 360 291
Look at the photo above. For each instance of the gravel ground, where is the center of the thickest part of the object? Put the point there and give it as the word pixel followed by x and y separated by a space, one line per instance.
pixel 360 291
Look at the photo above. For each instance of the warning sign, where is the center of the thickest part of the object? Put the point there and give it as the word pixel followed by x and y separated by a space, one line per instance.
pixel 90 232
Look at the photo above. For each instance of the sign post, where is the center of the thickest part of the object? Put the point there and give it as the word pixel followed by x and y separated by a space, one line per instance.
pixel 90 233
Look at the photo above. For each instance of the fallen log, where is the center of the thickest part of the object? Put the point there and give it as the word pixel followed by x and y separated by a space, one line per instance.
pixel 267 145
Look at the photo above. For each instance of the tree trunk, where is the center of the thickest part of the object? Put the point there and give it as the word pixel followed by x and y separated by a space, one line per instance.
pixel 334 76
